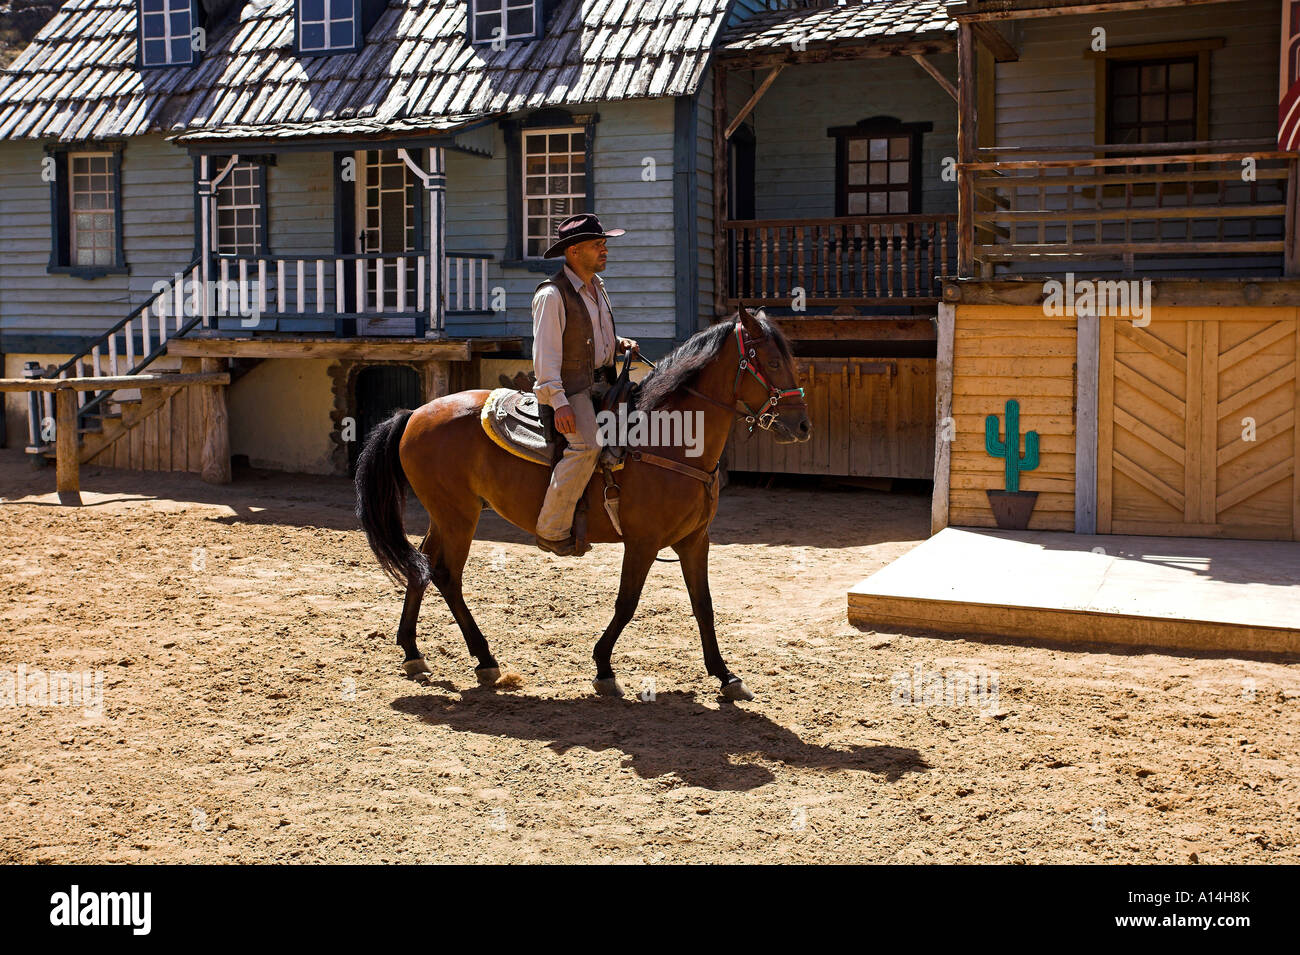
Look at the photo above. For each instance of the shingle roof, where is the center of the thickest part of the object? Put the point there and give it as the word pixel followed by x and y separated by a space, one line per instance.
pixel 854 22
pixel 78 79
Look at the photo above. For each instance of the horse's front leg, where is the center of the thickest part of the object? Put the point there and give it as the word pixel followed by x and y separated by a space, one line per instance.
pixel 638 558
pixel 694 552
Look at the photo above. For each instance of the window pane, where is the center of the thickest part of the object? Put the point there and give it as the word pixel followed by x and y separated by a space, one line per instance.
pixel 857 203
pixel 313 36
pixel 558 142
pixel 181 49
pixel 900 147
pixel 1153 77
pixel 857 150
pixel 898 172
pixel 342 36
pixel 857 174
pixel 898 202
pixel 1124 80
pixel 1182 76
pixel 155 51
pixel 879 172
pixel 520 22
pixel 341 9
pixel 876 203
pixel 879 149
pixel 312 9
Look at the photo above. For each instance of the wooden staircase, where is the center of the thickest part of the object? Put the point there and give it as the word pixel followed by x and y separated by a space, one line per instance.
pixel 110 408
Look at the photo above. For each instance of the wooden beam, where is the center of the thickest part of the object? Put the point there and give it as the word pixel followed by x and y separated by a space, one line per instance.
pixel 966 120
pixel 216 436
pixel 1002 49
pixel 939 501
pixel 753 100
pixel 938 76
pixel 1085 424
pixel 1291 255
pixel 106 382
pixel 1182 293
pixel 399 349
pixel 749 60
pixel 970 13
pixel 66 463
pixel 721 175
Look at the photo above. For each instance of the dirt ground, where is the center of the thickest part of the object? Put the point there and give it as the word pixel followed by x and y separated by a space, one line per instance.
pixel 254 707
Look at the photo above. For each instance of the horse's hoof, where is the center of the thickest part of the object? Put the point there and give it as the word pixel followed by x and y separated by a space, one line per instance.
pixel 487 676
pixel 417 666
pixel 736 690
pixel 607 686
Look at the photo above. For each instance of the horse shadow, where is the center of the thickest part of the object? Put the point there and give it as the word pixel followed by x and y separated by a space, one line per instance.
pixel 719 749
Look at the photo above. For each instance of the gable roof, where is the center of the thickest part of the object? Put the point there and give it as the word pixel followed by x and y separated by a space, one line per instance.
pixel 78 79
pixel 854 22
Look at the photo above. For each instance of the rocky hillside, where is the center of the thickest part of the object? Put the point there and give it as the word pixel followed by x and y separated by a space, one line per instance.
pixel 20 20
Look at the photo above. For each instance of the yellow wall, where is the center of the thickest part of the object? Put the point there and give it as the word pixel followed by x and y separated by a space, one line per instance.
pixel 999 353
pixel 280 415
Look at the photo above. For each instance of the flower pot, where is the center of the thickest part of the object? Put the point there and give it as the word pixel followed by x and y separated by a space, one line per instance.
pixel 1012 509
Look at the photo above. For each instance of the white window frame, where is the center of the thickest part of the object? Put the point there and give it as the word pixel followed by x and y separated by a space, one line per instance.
pixel 549 236
pixel 482 9
pixel 170 8
pixel 328 21
pixel 225 201
pixel 109 242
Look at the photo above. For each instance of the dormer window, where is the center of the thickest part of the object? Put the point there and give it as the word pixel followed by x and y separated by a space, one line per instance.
pixel 166 28
pixel 328 26
pixel 504 20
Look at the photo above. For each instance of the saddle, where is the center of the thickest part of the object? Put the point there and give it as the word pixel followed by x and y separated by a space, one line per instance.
pixel 516 421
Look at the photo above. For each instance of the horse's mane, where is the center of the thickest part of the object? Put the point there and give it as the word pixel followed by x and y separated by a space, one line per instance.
pixel 684 363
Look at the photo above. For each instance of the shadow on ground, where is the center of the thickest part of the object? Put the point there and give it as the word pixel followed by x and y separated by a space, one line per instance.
pixel 719 749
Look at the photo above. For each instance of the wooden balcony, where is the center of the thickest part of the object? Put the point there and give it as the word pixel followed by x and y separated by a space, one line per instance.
pixel 1192 199
pixel 877 260
pixel 358 294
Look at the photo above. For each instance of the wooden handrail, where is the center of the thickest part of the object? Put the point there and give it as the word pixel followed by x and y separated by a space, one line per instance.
pixel 890 219
pixel 114 381
pixel 1128 147
pixel 1160 160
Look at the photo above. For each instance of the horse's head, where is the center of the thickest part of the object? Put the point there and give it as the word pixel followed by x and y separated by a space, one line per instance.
pixel 767 383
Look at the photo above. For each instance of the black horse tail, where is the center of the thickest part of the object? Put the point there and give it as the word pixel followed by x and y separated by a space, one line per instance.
pixel 381 496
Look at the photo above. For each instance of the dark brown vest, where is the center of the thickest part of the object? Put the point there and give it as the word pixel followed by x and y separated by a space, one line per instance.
pixel 578 358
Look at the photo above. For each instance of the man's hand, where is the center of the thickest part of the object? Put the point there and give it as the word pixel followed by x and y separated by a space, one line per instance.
pixel 565 422
pixel 627 344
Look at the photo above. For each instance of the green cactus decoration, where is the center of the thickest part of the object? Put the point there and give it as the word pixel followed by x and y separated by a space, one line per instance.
pixel 1010 448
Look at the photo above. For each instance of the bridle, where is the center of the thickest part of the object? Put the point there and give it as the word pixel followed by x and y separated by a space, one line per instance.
pixel 767 413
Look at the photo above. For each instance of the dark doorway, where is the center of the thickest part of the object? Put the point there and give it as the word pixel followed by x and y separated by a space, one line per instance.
pixel 741 199
pixel 380 390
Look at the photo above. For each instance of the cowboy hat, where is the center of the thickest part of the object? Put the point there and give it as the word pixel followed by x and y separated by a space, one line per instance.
pixel 579 228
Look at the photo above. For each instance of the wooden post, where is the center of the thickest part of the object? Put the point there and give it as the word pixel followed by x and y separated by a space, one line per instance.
pixel 205 236
pixel 67 481
pixel 436 185
pixel 1291 257
pixel 721 253
pixel 1088 339
pixel 435 378
pixel 943 416
pixel 966 120
pixel 216 427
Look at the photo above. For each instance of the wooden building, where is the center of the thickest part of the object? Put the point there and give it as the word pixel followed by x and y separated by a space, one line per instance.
pixel 364 202
pixel 1126 281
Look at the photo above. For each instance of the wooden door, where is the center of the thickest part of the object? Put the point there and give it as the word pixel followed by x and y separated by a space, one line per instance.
pixel 1197 429
pixel 871 417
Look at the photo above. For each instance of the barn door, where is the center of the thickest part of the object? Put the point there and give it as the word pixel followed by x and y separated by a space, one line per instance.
pixel 1197 425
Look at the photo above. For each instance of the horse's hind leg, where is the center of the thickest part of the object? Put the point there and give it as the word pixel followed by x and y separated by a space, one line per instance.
pixel 413 662
pixel 448 563
pixel 694 552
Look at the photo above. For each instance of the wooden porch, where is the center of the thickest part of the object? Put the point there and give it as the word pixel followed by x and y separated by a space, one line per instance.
pixel 865 260
pixel 1046 205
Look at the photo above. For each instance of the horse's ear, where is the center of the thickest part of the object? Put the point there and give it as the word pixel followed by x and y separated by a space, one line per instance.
pixel 750 323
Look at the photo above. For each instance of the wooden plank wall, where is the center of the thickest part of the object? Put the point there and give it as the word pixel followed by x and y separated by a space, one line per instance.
pixel 871 417
pixel 1000 353
pixel 170 439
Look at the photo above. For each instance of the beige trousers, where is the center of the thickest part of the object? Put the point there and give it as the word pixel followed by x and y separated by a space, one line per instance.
pixel 570 477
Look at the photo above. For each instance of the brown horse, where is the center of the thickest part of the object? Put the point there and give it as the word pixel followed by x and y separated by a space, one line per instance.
pixel 742 367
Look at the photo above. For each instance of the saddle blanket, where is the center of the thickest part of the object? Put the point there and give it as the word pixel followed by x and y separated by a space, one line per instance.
pixel 512 419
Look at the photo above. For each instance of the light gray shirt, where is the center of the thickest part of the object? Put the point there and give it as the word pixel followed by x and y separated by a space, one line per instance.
pixel 548 334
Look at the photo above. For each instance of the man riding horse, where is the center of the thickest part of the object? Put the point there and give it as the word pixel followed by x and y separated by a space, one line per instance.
pixel 574 345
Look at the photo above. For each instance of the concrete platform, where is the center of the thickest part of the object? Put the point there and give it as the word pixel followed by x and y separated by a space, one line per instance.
pixel 1177 592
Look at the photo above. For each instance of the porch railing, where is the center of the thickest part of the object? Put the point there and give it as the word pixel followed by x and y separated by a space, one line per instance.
pixel 386 291
pixel 1187 198
pixel 845 260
